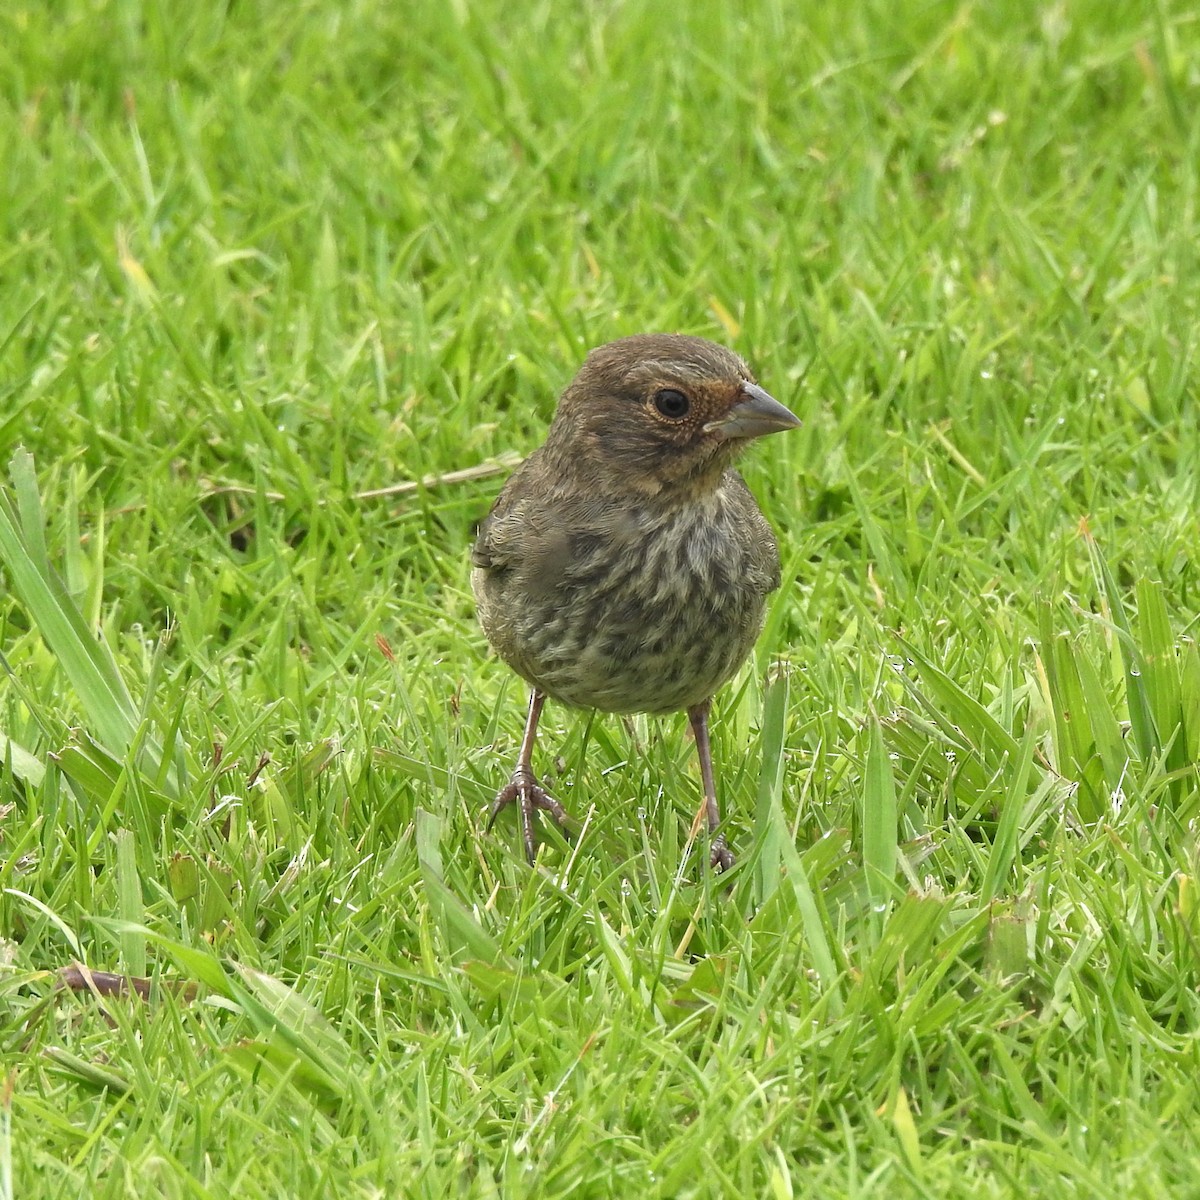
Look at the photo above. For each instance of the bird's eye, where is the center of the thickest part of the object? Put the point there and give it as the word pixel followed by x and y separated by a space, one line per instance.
pixel 671 403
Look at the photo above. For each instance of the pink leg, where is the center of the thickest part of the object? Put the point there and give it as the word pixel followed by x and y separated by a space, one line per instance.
pixel 721 858
pixel 524 788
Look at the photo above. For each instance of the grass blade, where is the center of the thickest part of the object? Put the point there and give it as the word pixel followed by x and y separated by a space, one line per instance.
pixel 769 816
pixel 879 816
pixel 87 662
pixel 1004 846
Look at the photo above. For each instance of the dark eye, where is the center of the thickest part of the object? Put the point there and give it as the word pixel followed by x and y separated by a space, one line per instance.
pixel 671 403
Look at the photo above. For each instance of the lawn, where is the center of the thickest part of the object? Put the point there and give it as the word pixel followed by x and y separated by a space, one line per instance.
pixel 286 290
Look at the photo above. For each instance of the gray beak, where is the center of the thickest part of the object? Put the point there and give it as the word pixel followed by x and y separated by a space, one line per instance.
pixel 757 414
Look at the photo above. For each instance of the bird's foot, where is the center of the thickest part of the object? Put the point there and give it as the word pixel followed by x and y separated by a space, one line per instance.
pixel 721 858
pixel 529 796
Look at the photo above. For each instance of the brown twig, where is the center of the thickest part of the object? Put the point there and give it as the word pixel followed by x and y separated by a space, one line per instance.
pixel 500 464
pixel 497 466
pixel 79 978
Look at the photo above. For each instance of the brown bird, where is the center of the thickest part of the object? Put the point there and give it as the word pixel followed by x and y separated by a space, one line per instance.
pixel 625 565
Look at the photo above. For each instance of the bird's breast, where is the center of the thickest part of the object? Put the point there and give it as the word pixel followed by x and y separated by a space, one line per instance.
pixel 637 609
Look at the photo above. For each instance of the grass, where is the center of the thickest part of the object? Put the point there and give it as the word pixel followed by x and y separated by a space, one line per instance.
pixel 259 260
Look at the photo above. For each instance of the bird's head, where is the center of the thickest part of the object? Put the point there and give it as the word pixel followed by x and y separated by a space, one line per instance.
pixel 661 412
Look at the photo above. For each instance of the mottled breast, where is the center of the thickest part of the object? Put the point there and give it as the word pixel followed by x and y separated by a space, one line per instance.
pixel 626 608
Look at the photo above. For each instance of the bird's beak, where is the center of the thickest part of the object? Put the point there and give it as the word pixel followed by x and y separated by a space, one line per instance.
pixel 754 415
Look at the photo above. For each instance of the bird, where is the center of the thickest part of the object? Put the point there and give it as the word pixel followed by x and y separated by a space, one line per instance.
pixel 625 565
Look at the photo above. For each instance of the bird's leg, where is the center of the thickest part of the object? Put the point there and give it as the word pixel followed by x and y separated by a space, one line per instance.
pixel 721 858
pixel 523 787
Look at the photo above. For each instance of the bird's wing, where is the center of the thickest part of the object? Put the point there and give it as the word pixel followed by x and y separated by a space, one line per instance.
pixel 522 532
pixel 760 542
pixel 493 548
pixel 486 552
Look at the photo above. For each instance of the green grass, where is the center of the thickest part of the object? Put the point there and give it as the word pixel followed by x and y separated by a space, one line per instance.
pixel 259 259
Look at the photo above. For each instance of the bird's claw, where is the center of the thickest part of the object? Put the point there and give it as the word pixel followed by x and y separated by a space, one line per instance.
pixel 529 796
pixel 721 858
